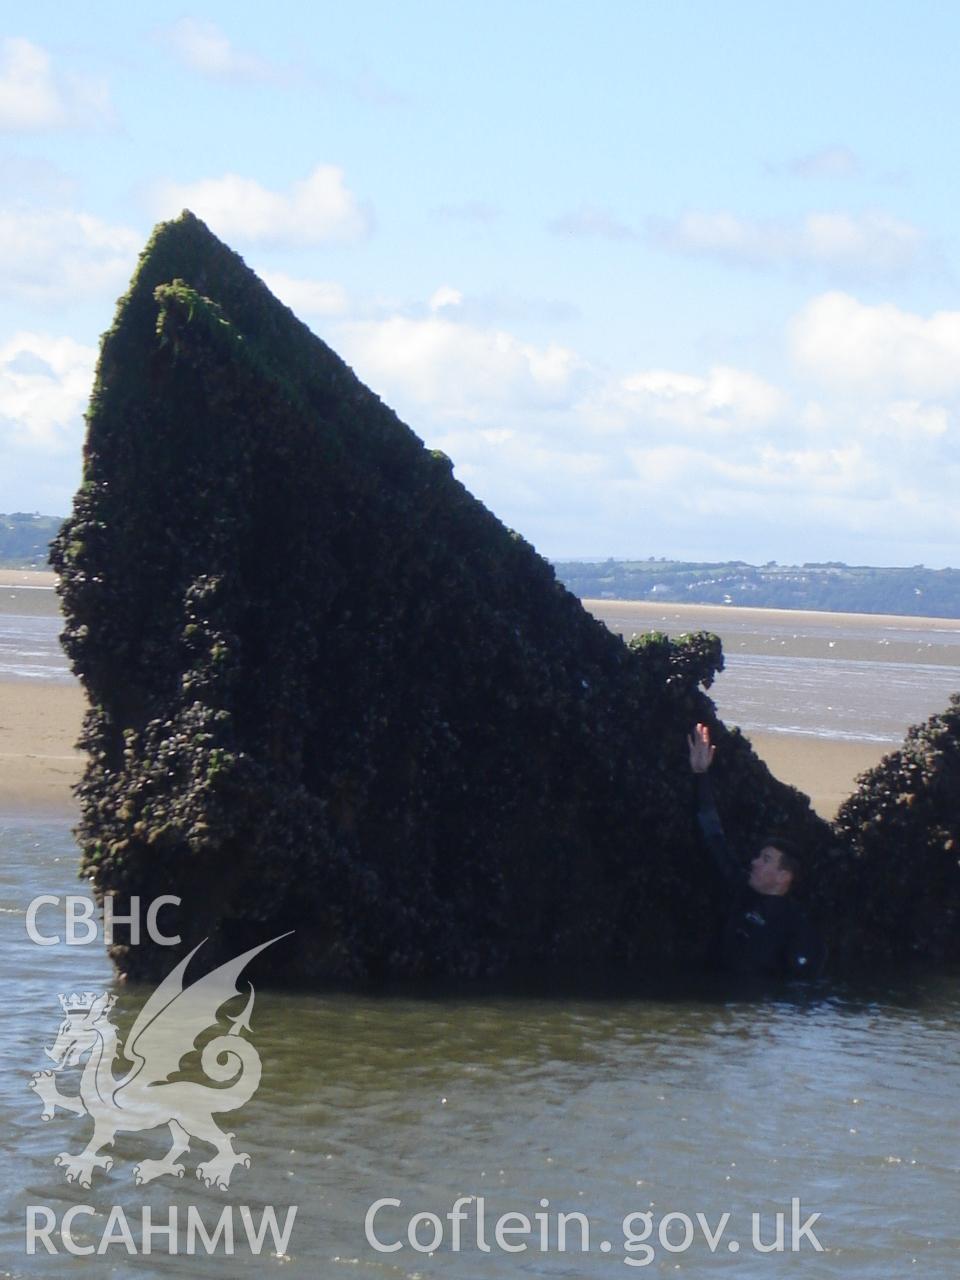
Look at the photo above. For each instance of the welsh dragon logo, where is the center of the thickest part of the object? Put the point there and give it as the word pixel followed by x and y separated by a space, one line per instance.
pixel 164 1033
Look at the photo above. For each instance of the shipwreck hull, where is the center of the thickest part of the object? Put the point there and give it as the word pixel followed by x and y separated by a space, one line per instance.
pixel 330 692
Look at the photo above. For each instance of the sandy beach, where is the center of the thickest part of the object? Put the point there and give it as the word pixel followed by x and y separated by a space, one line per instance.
pixel 826 771
pixel 26 578
pixel 39 719
pixel 39 724
pixel 694 617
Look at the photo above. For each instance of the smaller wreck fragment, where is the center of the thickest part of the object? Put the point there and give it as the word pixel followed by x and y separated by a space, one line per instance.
pixel 330 692
pixel 903 826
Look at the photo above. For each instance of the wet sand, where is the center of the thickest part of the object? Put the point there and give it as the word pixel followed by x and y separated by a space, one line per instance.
pixel 697 617
pixel 825 771
pixel 39 719
pixel 26 578
pixel 28 592
pixel 39 724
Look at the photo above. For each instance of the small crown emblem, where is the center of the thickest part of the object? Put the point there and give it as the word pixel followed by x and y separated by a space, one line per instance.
pixel 77 1002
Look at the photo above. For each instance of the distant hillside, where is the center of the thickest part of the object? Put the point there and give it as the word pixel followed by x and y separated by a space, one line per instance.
pixel 832 587
pixel 25 539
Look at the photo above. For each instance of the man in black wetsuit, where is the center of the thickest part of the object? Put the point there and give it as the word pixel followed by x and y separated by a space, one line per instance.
pixel 766 931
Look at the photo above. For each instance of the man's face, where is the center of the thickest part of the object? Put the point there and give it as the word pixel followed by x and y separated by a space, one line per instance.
pixel 766 873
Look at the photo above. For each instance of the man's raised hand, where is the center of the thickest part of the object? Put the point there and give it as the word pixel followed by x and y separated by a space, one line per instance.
pixel 701 752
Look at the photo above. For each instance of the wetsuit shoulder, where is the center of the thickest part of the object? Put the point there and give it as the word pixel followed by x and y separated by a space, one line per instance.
pixel 804 950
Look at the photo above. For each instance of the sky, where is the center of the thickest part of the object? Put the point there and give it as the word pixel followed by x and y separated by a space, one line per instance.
pixel 662 279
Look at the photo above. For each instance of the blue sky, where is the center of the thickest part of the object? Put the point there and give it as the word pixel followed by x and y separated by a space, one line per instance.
pixel 662 279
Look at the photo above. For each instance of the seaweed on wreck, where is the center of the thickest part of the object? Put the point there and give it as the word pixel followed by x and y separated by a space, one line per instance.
pixel 329 691
pixel 902 825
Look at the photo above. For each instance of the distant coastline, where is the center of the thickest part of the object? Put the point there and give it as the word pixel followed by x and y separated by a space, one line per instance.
pixel 915 592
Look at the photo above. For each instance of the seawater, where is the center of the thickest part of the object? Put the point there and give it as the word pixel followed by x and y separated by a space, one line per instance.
pixel 847 699
pixel 859 680
pixel 672 1102
pixel 30 648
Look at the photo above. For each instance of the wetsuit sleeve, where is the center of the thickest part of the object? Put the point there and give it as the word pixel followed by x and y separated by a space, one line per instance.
pixel 806 953
pixel 713 833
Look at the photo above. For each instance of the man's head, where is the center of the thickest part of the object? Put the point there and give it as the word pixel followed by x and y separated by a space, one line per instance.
pixel 776 867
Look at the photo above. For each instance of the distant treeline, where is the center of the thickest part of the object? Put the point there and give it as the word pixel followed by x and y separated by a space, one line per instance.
pixel 833 587
pixel 25 539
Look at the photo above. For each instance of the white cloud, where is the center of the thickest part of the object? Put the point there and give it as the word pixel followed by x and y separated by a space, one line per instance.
pixel 307 297
pixel 445 296
pixel 459 370
pixel 910 420
pixel 316 210
pixel 585 460
pixel 749 498
pixel 638 463
pixel 45 383
pixel 763 472
pixel 866 244
pixel 495 310
pixel 52 256
pixel 206 48
pixel 727 399
pixel 34 97
pixel 903 433
pixel 840 469
pixel 879 349
pixel 528 451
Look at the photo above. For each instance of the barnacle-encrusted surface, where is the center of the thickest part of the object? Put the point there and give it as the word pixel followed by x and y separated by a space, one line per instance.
pixel 330 692
pixel 903 827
